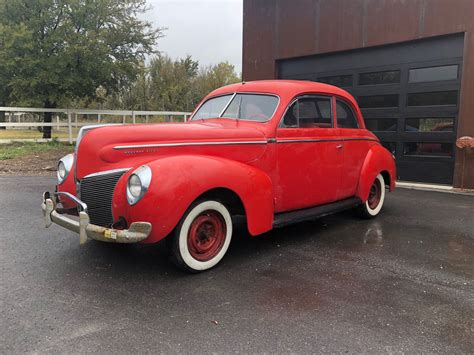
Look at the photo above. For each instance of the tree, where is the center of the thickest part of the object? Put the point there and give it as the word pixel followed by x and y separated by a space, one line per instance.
pixel 167 84
pixel 66 49
pixel 179 85
pixel 212 77
pixel 11 43
pixel 171 83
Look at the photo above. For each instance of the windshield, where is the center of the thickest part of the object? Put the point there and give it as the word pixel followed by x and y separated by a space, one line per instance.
pixel 251 107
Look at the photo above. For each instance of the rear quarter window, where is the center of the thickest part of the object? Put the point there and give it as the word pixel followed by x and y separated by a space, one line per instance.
pixel 345 116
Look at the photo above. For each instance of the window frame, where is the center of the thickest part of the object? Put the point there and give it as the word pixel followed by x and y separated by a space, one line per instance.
pixel 381 119
pixel 458 73
pixel 354 113
pixel 441 117
pixel 388 93
pixel 399 70
pixel 281 124
pixel 318 79
pixel 233 95
pixel 432 90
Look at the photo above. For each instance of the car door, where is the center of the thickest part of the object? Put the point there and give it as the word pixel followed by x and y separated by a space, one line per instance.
pixel 356 145
pixel 309 155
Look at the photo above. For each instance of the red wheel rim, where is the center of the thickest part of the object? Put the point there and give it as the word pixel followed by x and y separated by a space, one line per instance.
pixel 375 194
pixel 206 235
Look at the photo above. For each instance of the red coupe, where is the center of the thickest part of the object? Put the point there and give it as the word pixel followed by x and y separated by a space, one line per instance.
pixel 276 152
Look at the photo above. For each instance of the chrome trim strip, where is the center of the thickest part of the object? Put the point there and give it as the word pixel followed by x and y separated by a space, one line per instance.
pixel 164 145
pixel 307 140
pixel 83 205
pixel 228 104
pixel 324 140
pixel 106 172
pixel 361 139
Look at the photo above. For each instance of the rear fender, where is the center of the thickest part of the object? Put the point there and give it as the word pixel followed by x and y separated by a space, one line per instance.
pixel 179 180
pixel 378 160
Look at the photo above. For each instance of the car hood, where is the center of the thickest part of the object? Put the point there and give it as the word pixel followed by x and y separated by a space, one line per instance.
pixel 127 146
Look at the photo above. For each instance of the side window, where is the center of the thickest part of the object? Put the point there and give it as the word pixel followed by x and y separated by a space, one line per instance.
pixel 345 116
pixel 309 112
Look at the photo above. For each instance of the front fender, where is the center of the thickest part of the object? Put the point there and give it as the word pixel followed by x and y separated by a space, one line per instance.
pixel 179 180
pixel 378 160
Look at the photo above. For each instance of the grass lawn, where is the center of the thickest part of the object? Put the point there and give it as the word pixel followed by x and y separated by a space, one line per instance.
pixel 33 134
pixel 17 150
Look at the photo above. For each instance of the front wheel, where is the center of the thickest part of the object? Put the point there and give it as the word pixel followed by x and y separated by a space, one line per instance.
pixel 374 203
pixel 202 237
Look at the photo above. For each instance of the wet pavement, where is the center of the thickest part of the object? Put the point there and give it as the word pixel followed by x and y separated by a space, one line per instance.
pixel 403 282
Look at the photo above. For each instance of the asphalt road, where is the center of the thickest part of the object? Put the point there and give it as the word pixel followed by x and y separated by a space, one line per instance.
pixel 403 282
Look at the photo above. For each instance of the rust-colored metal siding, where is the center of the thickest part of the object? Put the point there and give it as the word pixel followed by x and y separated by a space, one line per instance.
pixel 278 29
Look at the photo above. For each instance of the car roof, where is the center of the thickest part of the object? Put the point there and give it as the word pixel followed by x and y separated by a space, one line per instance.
pixel 282 88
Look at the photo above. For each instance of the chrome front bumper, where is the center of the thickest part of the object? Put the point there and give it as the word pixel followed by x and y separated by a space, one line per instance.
pixel 137 232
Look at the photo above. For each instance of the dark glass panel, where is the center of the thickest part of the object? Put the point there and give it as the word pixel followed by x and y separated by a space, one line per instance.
pixel 378 101
pixel 345 116
pixel 429 149
pixel 381 124
pixel 337 80
pixel 439 98
pixel 309 112
pixel 381 77
pixel 429 124
pixel 448 72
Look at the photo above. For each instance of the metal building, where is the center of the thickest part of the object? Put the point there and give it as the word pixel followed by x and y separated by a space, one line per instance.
pixel 409 63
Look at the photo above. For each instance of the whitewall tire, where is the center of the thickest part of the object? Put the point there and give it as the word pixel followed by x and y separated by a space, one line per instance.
pixel 202 237
pixel 372 207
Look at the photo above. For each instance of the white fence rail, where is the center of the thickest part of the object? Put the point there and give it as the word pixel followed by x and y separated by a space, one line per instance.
pixel 17 114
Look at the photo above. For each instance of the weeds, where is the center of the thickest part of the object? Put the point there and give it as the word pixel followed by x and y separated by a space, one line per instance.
pixel 14 150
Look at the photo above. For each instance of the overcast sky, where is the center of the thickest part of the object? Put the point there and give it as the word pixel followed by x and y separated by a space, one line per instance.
pixel 209 30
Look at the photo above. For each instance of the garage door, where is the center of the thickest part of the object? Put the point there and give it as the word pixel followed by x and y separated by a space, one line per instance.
pixel 409 95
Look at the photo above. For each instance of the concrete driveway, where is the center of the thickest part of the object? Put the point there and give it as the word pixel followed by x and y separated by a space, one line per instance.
pixel 403 282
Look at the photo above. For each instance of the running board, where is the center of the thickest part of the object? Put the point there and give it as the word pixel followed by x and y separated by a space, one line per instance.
pixel 285 218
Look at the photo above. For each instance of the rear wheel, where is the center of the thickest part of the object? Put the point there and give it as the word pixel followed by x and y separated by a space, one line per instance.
pixel 372 207
pixel 202 237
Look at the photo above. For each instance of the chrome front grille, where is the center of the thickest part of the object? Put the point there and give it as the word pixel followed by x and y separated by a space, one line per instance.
pixel 97 191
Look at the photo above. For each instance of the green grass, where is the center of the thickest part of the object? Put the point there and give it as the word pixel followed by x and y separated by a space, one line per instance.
pixel 33 134
pixel 14 150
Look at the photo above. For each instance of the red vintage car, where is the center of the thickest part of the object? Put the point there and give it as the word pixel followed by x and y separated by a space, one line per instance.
pixel 276 152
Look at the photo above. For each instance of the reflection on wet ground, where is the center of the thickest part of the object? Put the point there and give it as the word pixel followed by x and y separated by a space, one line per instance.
pixel 400 283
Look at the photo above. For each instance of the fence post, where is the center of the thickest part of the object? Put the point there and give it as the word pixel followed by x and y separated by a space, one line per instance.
pixel 69 126
pixel 57 122
pixel 184 118
pixel 146 118
pixel 98 118
pixel 133 117
pixel 75 120
pixel 123 119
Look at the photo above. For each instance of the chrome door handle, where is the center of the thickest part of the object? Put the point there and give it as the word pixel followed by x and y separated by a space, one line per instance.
pixel 339 146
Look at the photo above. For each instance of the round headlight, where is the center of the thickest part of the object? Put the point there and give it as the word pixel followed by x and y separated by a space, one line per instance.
pixel 64 167
pixel 61 170
pixel 138 183
pixel 135 186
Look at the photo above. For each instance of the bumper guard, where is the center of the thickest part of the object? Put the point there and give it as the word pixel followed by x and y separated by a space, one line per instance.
pixel 137 232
